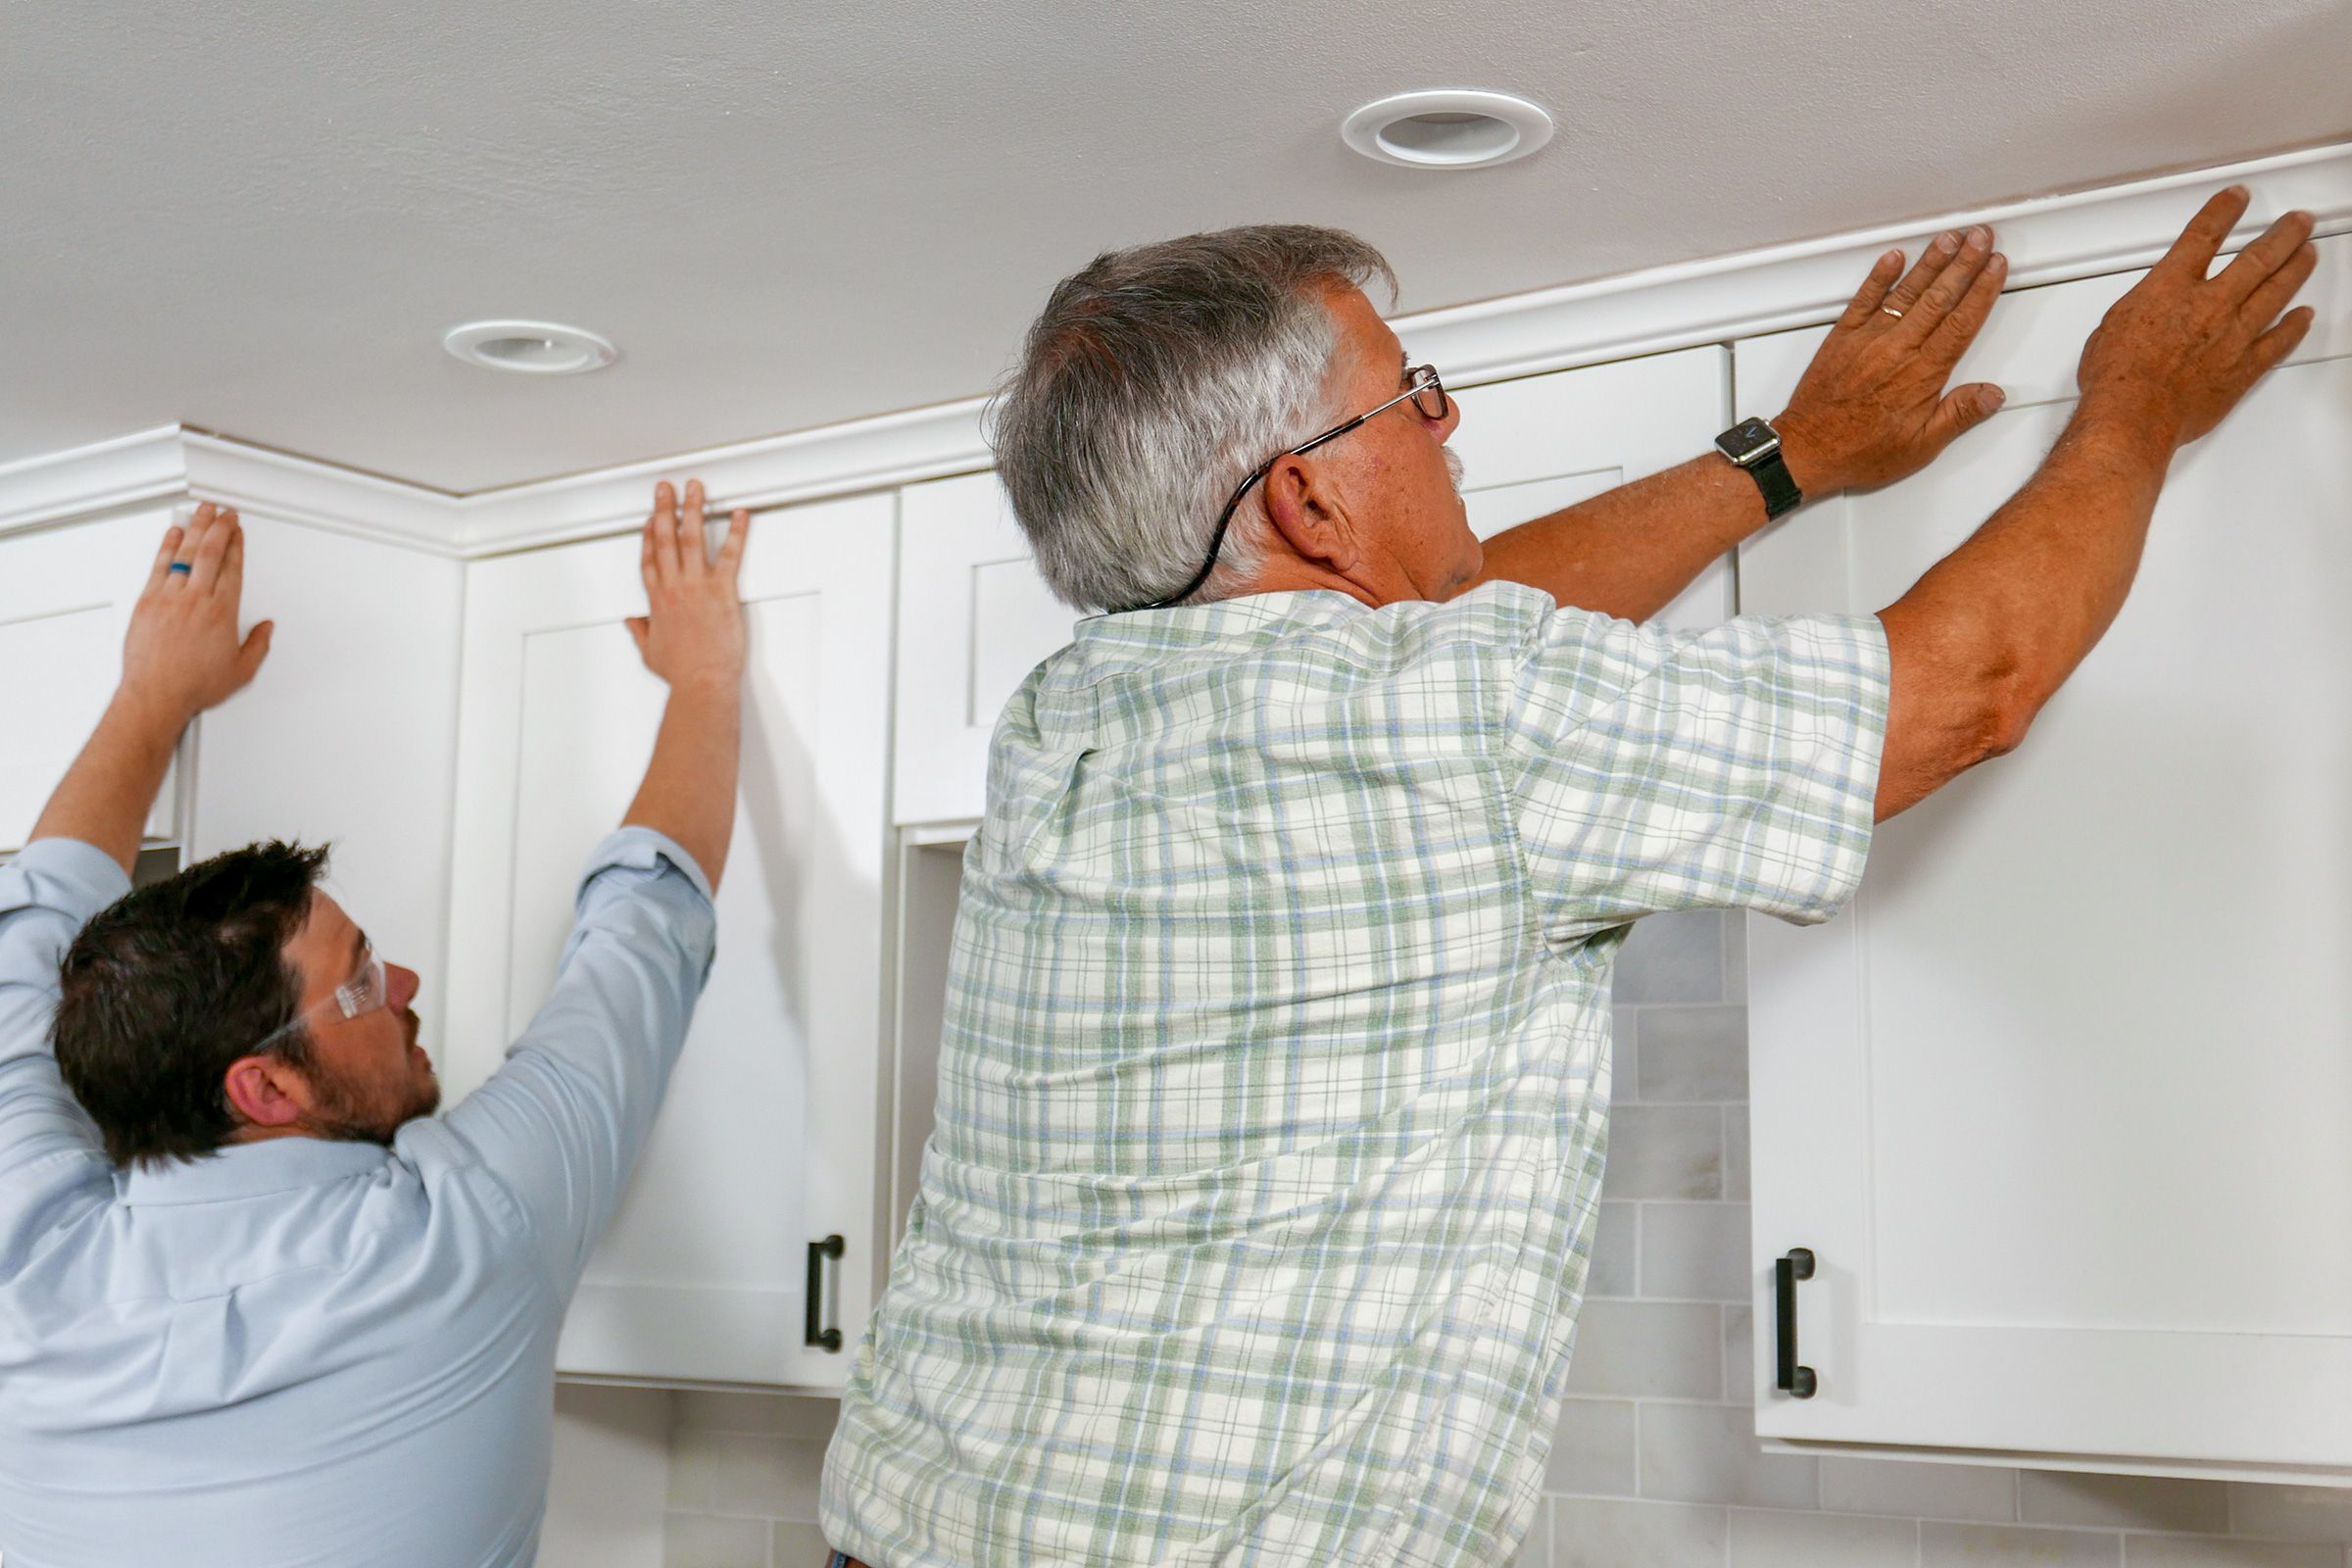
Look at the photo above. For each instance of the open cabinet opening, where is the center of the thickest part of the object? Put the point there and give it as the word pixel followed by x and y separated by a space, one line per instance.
pixel 930 875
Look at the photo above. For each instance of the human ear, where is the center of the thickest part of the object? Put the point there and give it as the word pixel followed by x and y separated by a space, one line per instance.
pixel 1309 513
pixel 265 1091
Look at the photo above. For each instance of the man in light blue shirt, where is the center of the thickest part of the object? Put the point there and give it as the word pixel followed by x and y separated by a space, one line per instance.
pixel 258 1305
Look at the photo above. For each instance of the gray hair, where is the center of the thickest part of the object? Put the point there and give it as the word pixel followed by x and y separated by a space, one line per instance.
pixel 1156 378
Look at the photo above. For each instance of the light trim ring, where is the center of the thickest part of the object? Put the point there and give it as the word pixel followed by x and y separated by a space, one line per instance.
pixel 531 347
pixel 1448 130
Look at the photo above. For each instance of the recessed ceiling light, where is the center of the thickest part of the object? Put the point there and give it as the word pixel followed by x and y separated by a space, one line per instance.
pixel 531 348
pixel 1448 130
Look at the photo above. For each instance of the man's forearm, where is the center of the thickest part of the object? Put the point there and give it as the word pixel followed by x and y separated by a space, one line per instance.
pixel 1992 630
pixel 105 795
pixel 689 787
pixel 1630 552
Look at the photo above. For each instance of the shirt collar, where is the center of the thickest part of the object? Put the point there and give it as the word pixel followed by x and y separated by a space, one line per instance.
pixel 1249 617
pixel 250 1170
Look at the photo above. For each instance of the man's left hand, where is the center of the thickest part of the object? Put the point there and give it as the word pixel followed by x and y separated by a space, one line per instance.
pixel 1872 407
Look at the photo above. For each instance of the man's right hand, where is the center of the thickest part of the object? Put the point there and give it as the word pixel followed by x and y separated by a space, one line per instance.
pixel 2177 353
pixel 693 632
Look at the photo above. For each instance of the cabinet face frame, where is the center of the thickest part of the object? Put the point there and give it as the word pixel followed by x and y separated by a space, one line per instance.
pixel 1970 1382
pixel 835 560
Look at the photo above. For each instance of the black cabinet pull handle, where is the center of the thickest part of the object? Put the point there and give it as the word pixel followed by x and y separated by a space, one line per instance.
pixel 818 1335
pixel 1796 1381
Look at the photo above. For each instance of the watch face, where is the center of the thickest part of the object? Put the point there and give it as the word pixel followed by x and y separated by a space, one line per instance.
pixel 1746 439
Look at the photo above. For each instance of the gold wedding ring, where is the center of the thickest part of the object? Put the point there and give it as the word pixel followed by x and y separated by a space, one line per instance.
pixel 1888 310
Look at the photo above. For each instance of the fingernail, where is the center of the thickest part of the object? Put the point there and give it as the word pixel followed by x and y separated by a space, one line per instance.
pixel 1993 398
pixel 1998 262
pixel 1947 241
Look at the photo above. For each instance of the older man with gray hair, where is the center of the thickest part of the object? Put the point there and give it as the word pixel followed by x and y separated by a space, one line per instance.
pixel 1275 1082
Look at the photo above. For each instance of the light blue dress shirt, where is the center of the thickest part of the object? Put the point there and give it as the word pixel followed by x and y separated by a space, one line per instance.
pixel 300 1351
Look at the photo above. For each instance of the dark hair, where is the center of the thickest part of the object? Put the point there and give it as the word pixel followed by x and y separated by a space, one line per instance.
pixel 170 985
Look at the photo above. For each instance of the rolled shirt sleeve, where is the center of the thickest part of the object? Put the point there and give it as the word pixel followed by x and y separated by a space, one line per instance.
pixel 561 1122
pixel 1655 770
pixel 49 1149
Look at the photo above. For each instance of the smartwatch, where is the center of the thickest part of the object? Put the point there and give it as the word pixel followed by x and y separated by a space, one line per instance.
pixel 1756 447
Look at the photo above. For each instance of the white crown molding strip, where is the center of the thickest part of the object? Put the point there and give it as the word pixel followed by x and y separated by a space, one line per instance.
pixel 85 480
pixel 891 449
pixel 2050 239
pixel 262 483
pixel 172 464
pixel 2047 239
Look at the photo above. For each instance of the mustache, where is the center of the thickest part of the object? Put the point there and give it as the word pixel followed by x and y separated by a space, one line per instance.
pixel 1454 468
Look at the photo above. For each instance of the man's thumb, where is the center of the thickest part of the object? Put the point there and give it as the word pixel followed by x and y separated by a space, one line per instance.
pixel 255 648
pixel 1964 408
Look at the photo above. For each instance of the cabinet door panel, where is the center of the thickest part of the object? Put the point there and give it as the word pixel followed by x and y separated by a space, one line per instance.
pixel 767 1140
pixel 1536 445
pixel 66 597
pixel 974 619
pixel 2063 1104
pixel 346 736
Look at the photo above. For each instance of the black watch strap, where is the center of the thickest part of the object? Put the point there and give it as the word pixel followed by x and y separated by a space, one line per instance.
pixel 1755 446
pixel 1781 493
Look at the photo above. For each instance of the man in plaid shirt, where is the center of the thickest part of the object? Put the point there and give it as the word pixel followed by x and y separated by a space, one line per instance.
pixel 1275 1084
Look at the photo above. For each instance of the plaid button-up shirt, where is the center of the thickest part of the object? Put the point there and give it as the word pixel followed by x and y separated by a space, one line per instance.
pixel 1274 1091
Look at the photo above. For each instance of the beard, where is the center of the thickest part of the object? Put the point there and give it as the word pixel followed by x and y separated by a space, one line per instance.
pixel 348 1113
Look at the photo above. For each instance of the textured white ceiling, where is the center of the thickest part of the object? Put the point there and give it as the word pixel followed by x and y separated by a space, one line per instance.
pixel 258 219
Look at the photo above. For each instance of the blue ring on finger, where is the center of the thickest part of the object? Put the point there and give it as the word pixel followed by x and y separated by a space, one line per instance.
pixel 181 565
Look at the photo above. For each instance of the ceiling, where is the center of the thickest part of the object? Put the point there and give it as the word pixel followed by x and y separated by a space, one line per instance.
pixel 258 219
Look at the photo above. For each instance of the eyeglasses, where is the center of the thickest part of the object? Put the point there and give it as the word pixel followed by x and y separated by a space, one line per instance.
pixel 363 993
pixel 1429 398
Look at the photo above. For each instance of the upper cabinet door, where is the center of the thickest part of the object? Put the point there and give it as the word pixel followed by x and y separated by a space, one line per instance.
pixel 766 1141
pixel 2063 1104
pixel 974 619
pixel 347 736
pixel 1533 446
pixel 66 597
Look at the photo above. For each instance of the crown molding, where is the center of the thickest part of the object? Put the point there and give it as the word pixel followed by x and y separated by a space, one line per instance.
pixel 262 483
pixel 2047 239
pixel 173 464
pixel 872 453
pixel 60 486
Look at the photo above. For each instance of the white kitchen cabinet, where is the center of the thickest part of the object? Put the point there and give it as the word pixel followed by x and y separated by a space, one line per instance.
pixel 2062 1104
pixel 66 597
pixel 768 1142
pixel 975 617
pixel 1536 445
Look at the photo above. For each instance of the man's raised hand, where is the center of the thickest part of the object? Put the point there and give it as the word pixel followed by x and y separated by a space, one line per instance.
pixel 2175 354
pixel 182 654
pixel 1872 407
pixel 692 630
